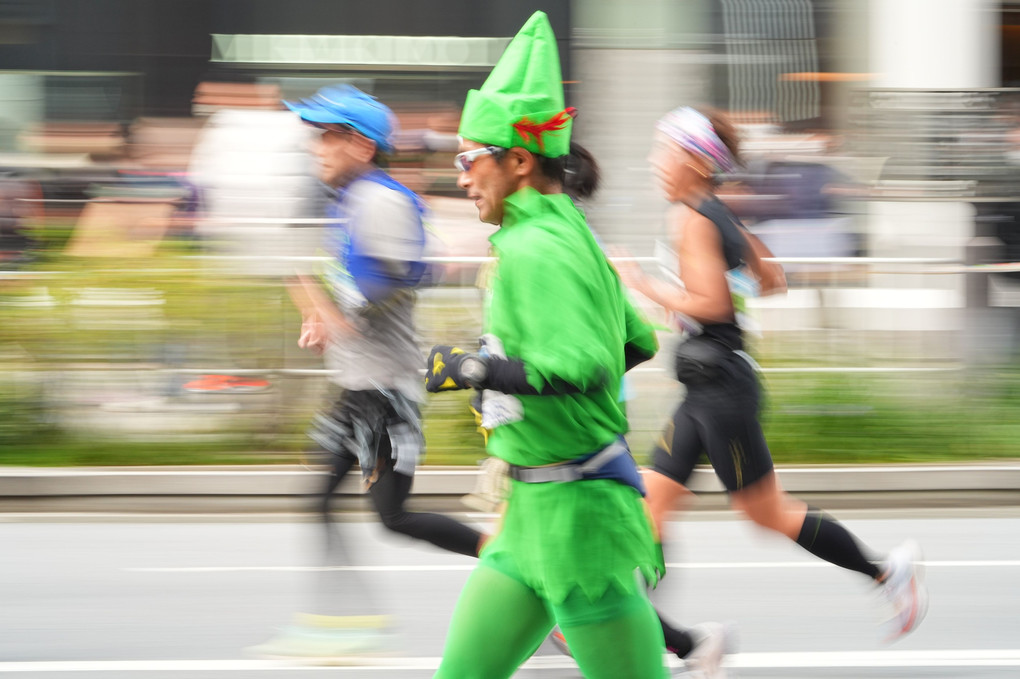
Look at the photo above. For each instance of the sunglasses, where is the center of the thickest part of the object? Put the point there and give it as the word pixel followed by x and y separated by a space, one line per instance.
pixel 335 128
pixel 464 161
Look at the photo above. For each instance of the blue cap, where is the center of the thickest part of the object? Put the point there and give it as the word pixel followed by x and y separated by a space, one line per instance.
pixel 347 105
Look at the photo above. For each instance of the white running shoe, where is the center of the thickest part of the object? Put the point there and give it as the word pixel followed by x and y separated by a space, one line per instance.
pixel 325 646
pixel 713 641
pixel 905 591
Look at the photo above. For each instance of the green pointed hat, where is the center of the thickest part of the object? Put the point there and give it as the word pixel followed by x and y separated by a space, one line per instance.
pixel 521 102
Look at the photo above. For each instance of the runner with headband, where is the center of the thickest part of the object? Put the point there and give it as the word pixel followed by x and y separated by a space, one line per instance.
pixel 719 414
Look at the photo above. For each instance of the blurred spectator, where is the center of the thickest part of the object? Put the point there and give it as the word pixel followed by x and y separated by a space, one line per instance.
pixel 791 205
pixel 256 180
pixel 792 189
pixel 121 220
pixel 100 140
pixel 1009 230
pixel 1004 287
pixel 211 97
pixel 163 144
pixel 18 207
pixel 424 145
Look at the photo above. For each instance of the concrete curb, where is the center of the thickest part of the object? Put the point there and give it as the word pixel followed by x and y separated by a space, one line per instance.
pixel 292 488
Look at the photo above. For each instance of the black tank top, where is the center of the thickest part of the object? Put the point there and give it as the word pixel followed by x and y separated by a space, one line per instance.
pixel 734 245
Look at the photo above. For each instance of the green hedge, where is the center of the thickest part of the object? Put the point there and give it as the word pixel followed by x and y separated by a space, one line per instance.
pixel 51 341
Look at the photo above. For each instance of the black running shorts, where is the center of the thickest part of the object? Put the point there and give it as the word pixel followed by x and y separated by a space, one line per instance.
pixel 719 419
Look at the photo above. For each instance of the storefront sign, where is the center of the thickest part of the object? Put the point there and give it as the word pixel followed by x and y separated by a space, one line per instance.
pixel 391 51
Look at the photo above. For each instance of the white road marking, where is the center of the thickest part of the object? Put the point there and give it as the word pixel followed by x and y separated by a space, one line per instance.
pixel 63 472
pixel 364 569
pixel 705 565
pixel 824 564
pixel 778 660
pixel 930 658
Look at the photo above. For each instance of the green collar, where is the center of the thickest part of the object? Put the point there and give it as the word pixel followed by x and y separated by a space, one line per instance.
pixel 528 202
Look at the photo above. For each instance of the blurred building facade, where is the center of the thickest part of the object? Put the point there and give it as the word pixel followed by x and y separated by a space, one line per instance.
pixel 885 129
pixel 906 103
pixel 901 113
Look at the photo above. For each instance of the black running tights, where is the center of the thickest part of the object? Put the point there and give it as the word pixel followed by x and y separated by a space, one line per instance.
pixel 388 495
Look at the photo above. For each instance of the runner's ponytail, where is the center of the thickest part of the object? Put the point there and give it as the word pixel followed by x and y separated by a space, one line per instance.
pixel 577 171
pixel 581 173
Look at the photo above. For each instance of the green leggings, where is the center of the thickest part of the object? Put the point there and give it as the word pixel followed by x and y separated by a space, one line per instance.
pixel 499 623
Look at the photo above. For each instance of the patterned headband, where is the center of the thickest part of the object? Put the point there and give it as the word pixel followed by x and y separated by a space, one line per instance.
pixel 695 133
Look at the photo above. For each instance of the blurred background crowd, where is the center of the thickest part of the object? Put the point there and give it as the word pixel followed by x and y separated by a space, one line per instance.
pixel 154 194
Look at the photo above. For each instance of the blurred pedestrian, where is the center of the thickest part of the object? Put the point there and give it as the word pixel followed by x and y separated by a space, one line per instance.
pixel 559 335
pixel 363 323
pixel 719 414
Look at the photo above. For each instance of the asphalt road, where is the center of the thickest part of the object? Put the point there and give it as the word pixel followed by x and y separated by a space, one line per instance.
pixel 115 596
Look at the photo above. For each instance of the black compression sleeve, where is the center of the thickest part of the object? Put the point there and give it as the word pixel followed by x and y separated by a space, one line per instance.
pixel 508 376
pixel 633 356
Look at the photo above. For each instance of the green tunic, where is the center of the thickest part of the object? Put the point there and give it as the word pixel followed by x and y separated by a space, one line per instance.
pixel 557 304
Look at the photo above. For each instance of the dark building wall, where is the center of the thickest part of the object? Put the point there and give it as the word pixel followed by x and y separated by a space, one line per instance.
pixel 168 43
pixel 383 17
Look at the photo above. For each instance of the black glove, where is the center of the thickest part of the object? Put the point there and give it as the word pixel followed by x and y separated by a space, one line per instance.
pixel 450 368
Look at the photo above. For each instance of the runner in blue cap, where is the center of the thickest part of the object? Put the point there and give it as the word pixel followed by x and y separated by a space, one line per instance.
pixel 345 105
pixel 362 321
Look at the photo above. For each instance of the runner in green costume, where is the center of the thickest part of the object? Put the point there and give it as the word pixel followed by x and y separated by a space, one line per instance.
pixel 575 546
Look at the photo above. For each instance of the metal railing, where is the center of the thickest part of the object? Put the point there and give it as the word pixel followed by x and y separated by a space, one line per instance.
pixel 820 338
